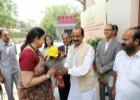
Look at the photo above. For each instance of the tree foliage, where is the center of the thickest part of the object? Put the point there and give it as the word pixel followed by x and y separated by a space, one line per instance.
pixel 8 14
pixel 24 27
pixel 51 14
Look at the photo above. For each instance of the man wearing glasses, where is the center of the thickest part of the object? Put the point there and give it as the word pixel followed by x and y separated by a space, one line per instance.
pixel 105 55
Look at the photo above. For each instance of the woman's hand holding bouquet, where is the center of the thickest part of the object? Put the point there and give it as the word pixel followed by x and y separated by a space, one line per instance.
pixel 56 59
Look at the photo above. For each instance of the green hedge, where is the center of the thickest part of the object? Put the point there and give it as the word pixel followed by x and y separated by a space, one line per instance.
pixel 18 34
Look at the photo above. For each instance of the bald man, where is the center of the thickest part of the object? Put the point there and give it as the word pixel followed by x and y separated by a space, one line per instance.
pixel 127 67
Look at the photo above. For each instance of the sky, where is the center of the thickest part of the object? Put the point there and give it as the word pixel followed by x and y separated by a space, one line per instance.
pixel 34 9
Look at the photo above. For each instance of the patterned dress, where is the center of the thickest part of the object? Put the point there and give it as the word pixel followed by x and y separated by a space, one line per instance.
pixel 28 61
pixel 42 91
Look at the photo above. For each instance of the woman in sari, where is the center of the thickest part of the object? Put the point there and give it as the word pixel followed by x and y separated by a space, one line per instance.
pixel 34 82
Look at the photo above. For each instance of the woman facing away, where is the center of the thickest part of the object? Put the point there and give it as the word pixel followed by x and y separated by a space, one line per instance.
pixel 34 83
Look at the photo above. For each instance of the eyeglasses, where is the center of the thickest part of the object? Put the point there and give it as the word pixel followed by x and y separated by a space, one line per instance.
pixel 6 35
pixel 107 29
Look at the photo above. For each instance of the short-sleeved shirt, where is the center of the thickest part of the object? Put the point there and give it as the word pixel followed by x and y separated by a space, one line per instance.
pixel 28 60
pixel 128 74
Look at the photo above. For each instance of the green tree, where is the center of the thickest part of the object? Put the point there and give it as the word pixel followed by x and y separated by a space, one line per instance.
pixel 24 26
pixel 8 14
pixel 51 14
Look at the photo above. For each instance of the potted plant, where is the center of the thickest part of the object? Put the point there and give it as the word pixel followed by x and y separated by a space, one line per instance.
pixel 94 44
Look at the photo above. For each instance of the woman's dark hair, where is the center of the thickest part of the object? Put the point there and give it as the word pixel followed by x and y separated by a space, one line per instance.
pixel 32 34
pixel 46 45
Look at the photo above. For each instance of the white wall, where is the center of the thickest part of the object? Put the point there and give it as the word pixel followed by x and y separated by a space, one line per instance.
pixel 123 13
pixel 93 20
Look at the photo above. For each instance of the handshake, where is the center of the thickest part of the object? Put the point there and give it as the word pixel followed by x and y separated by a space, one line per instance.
pixel 58 75
pixel 56 71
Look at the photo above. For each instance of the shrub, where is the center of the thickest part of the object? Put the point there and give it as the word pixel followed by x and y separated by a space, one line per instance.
pixel 94 42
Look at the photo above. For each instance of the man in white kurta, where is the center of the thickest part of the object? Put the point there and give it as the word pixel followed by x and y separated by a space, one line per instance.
pixel 84 84
pixel 127 67
pixel 128 74
pixel 75 72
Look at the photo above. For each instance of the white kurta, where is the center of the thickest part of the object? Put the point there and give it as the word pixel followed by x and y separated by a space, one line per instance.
pixel 75 72
pixel 128 74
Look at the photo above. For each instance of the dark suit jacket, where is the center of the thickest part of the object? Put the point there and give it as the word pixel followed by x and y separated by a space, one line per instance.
pixel 63 92
pixel 61 48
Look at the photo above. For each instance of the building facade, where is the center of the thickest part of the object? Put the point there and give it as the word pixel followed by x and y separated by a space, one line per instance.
pixel 124 13
pixel 65 24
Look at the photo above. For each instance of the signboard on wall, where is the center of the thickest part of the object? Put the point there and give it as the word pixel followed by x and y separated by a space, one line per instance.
pixel 93 20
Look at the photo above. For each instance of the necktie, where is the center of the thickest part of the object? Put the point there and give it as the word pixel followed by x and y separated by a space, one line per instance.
pixel 66 49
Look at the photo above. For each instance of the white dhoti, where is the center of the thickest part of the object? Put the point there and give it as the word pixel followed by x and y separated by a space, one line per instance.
pixel 75 94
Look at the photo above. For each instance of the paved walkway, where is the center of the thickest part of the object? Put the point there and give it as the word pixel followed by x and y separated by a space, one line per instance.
pixel 5 95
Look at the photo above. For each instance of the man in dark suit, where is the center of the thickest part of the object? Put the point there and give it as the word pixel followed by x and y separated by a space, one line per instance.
pixel 105 56
pixel 64 91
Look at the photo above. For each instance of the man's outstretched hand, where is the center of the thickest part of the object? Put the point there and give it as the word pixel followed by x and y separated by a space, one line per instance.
pixel 63 71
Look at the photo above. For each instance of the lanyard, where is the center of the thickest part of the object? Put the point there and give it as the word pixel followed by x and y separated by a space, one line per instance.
pixel 36 51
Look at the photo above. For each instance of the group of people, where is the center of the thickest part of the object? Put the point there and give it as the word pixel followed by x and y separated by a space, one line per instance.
pixel 117 66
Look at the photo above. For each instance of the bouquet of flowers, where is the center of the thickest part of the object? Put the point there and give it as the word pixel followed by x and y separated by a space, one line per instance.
pixel 58 62
pixel 53 57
